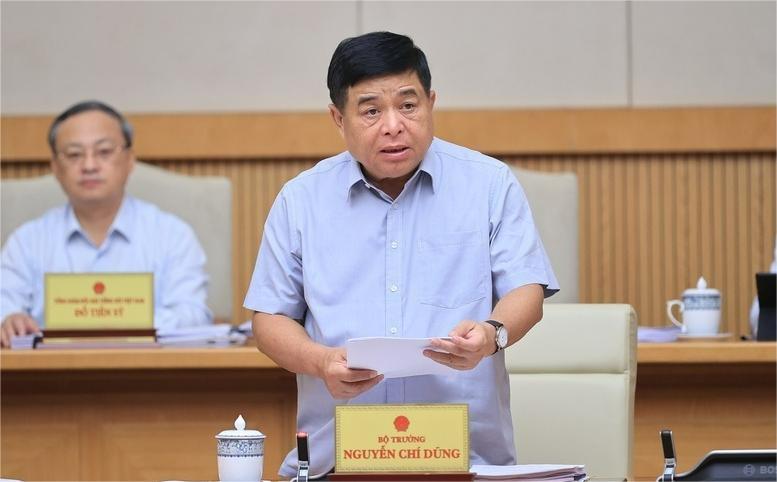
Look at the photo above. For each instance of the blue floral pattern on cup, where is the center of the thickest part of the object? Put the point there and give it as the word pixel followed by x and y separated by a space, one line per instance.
pixel 702 302
pixel 240 447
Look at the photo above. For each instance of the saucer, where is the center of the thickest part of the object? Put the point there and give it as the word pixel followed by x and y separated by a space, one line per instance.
pixel 715 337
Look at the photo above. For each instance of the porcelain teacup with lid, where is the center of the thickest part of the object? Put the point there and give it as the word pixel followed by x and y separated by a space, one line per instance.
pixel 700 308
pixel 240 453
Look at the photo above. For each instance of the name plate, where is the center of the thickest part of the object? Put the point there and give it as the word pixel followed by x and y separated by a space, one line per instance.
pixel 402 438
pixel 75 301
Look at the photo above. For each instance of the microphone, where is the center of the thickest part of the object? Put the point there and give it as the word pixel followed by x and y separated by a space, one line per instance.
pixel 303 463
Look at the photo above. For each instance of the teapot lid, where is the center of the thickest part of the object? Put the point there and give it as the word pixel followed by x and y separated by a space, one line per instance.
pixel 701 288
pixel 240 431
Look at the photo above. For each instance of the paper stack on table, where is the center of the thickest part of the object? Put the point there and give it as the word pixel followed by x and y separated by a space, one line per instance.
pixel 23 342
pixel 394 357
pixel 533 472
pixel 652 334
pixel 218 335
pixel 85 339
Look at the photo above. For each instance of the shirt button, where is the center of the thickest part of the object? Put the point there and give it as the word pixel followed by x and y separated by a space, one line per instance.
pixel 394 244
pixel 393 288
pixel 393 330
pixel 395 206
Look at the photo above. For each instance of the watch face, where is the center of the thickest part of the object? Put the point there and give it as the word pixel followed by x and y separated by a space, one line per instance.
pixel 501 337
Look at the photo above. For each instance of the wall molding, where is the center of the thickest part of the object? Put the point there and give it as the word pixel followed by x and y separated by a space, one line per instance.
pixel 531 131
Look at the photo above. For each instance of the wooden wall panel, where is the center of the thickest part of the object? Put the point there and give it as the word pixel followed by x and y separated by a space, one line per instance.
pixel 534 131
pixel 14 170
pixel 708 406
pixel 136 424
pixel 650 224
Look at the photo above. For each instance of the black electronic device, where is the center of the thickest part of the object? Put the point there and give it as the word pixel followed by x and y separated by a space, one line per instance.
pixel 303 463
pixel 766 284
pixel 720 465
pixel 670 462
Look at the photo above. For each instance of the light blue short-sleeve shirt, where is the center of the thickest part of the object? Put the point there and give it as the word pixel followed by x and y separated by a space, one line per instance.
pixel 142 238
pixel 346 260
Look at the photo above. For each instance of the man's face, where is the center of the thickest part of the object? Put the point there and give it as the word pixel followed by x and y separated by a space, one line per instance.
pixel 91 161
pixel 387 126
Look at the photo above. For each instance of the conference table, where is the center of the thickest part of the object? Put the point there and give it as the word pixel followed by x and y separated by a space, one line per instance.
pixel 152 414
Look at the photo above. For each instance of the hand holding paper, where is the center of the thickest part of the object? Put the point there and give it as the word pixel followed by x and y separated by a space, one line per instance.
pixel 467 345
pixel 394 357
pixel 342 380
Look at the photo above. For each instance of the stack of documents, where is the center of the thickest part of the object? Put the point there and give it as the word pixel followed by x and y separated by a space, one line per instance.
pixel 219 335
pixel 394 357
pixel 533 472
pixel 23 342
pixel 651 334
pixel 76 339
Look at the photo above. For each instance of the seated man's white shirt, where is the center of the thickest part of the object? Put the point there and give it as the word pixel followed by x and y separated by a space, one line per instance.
pixel 142 238
pixel 348 261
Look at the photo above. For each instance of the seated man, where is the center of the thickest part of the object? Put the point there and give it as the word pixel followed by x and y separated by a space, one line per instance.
pixel 100 229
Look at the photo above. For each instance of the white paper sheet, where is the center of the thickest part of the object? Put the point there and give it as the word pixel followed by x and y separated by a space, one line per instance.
pixel 545 472
pixel 394 357
pixel 217 335
pixel 651 334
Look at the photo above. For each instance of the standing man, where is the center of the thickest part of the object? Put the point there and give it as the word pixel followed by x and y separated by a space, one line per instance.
pixel 402 235
pixel 100 229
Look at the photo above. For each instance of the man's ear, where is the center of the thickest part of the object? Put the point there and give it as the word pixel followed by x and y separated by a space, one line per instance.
pixel 56 168
pixel 337 117
pixel 132 159
pixel 432 97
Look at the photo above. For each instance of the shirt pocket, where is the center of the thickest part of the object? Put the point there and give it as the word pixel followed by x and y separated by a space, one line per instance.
pixel 454 268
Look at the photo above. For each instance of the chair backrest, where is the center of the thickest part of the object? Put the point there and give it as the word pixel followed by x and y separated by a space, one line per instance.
pixel 553 200
pixel 203 202
pixel 572 381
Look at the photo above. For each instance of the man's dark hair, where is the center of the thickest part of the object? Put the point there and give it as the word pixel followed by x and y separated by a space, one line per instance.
pixel 86 106
pixel 373 55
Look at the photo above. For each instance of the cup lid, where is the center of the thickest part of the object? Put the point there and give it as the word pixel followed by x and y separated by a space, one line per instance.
pixel 701 288
pixel 240 431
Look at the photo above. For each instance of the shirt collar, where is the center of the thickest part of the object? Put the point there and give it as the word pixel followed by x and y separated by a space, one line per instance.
pixel 355 175
pixel 430 164
pixel 121 224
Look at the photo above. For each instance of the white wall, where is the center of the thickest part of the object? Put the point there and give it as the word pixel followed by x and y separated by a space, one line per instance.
pixel 497 54
pixel 703 53
pixel 272 56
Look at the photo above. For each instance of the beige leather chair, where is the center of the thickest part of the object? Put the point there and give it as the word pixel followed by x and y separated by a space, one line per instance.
pixel 553 197
pixel 572 381
pixel 203 202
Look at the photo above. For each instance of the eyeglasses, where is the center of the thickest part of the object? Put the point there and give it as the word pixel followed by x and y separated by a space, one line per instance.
pixel 102 153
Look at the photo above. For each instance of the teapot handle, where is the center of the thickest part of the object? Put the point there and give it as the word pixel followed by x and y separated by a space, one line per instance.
pixel 669 305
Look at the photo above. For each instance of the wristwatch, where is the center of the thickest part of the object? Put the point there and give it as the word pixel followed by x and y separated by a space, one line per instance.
pixel 501 335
